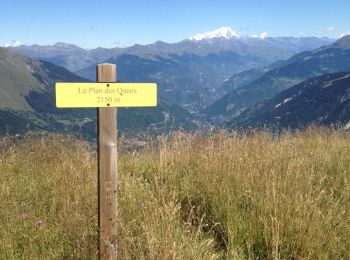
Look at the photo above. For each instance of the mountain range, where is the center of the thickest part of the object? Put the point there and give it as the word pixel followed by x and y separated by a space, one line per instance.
pixel 283 75
pixel 189 72
pixel 270 49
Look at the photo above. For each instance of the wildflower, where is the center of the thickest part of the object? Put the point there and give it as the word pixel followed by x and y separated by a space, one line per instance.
pixel 39 222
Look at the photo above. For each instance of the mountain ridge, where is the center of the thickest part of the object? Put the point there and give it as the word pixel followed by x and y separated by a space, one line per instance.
pixel 276 48
pixel 323 100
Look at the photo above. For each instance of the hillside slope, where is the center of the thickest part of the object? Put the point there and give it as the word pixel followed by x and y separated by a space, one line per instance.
pixel 306 65
pixel 323 100
pixel 27 102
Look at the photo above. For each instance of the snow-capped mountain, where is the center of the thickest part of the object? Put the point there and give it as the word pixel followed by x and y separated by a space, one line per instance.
pixel 226 33
pixel 223 32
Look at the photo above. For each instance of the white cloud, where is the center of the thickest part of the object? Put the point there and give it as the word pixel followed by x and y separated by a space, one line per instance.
pixel 331 28
pixel 344 34
pixel 14 43
pixel 262 35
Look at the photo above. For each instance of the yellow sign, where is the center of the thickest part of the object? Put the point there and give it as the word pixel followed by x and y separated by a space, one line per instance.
pixel 106 95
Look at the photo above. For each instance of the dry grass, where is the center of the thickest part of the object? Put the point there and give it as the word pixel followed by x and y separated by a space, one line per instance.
pixel 185 196
pixel 48 200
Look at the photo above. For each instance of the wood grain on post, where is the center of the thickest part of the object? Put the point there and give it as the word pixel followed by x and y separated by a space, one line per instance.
pixel 107 170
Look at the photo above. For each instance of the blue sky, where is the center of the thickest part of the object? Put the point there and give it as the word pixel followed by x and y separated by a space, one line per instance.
pixel 111 23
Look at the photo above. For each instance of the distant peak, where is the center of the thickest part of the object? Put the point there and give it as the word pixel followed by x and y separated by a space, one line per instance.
pixel 345 34
pixel 64 45
pixel 343 42
pixel 223 32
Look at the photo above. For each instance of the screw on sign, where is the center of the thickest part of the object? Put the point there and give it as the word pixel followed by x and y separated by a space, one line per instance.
pixel 106 95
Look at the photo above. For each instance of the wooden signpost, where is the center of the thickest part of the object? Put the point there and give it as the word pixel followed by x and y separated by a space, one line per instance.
pixel 106 95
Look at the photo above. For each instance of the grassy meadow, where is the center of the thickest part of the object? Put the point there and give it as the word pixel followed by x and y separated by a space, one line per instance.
pixel 183 196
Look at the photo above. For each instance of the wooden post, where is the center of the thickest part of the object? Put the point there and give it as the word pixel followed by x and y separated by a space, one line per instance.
pixel 107 170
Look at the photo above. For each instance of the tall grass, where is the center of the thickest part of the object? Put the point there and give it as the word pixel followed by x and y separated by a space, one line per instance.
pixel 47 199
pixel 184 196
